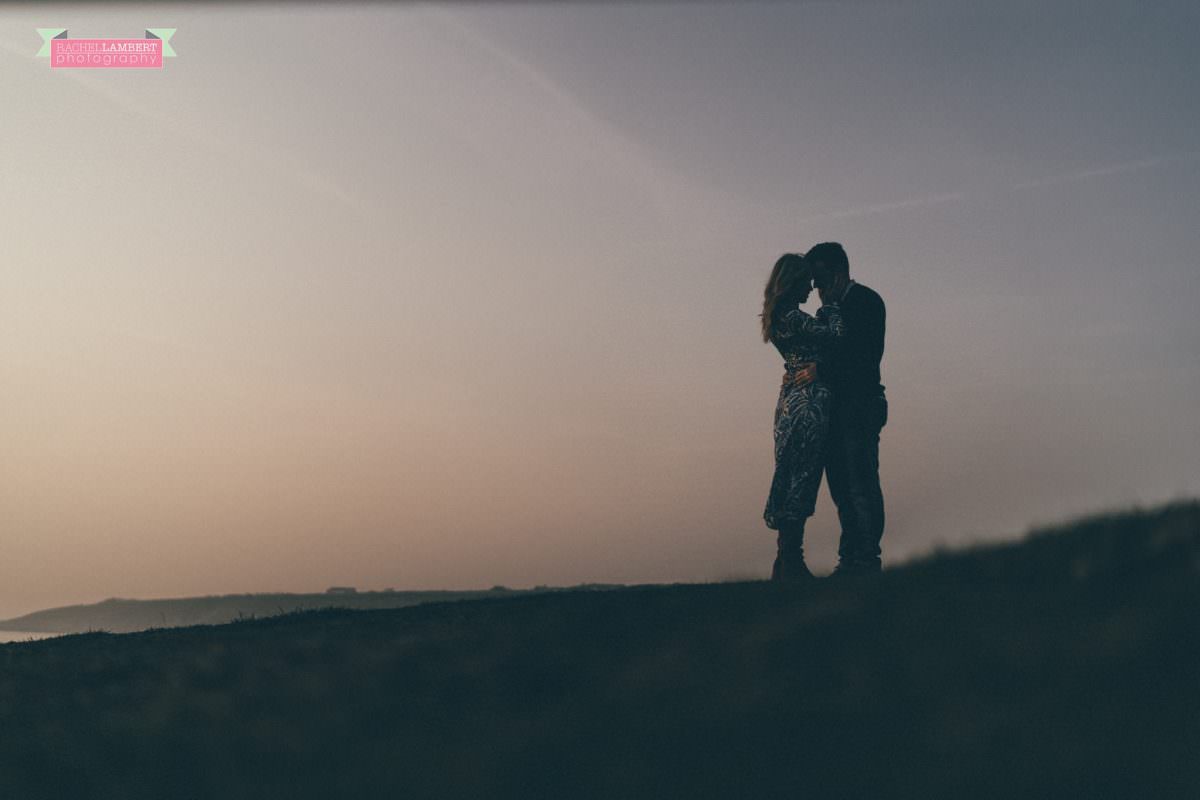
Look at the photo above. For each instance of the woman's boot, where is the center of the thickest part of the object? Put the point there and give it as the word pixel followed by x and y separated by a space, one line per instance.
pixel 790 568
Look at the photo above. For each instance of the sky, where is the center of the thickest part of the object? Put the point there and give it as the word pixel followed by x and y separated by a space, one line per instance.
pixel 458 295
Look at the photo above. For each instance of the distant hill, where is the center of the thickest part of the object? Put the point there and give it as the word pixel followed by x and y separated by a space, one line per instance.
pixel 1063 665
pixel 119 615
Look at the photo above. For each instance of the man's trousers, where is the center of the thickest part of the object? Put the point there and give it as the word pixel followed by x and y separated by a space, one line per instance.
pixel 852 471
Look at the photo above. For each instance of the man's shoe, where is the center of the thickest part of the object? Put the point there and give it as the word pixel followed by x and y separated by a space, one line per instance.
pixel 850 571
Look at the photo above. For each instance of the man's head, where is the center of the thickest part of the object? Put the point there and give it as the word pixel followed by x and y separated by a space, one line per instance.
pixel 828 262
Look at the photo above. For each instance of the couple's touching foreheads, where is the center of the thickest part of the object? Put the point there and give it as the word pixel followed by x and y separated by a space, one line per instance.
pixel 830 411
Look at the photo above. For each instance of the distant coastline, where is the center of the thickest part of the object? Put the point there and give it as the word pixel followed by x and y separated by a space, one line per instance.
pixel 23 636
pixel 121 615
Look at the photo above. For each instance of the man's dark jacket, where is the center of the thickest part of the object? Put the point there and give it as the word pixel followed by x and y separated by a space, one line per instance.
pixel 853 370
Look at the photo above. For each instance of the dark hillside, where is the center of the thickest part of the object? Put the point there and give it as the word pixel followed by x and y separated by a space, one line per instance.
pixel 1064 665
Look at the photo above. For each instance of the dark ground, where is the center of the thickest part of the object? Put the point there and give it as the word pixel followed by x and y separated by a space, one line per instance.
pixel 1065 665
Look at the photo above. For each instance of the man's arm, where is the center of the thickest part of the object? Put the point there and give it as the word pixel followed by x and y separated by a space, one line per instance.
pixel 805 375
pixel 878 327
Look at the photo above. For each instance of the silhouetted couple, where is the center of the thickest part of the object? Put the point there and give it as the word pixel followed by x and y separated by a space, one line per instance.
pixel 830 412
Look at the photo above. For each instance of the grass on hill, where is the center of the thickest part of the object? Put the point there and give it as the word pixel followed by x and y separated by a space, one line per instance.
pixel 1062 665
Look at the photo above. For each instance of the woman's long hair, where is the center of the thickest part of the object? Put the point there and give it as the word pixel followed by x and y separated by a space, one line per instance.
pixel 789 274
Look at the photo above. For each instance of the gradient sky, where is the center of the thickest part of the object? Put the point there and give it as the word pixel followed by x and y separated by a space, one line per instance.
pixel 448 296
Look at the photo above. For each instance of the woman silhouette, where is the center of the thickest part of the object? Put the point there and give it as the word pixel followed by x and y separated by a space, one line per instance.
pixel 802 412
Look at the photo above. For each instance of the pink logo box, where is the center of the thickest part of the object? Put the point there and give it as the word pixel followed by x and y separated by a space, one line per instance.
pixel 106 53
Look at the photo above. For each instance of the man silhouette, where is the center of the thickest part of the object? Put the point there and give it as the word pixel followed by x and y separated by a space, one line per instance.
pixel 859 411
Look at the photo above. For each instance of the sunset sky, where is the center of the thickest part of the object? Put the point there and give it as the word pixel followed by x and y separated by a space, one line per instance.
pixel 449 296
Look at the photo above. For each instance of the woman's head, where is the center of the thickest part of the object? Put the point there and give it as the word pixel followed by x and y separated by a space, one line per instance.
pixel 790 284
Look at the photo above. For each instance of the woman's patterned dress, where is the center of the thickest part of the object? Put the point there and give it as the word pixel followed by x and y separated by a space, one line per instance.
pixel 802 413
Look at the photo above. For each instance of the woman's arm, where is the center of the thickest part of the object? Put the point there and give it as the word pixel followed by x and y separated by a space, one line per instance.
pixel 827 325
